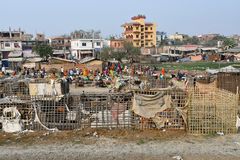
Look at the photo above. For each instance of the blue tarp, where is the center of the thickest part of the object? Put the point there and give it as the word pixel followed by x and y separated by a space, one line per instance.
pixel 187 59
pixel 5 63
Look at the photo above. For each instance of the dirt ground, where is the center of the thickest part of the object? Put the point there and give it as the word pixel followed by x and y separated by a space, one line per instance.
pixel 117 145
pixel 88 89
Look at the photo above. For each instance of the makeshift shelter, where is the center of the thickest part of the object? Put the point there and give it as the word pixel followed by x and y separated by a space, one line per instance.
pixel 196 58
pixel 90 64
pixel 15 59
pixel 228 78
pixel 32 63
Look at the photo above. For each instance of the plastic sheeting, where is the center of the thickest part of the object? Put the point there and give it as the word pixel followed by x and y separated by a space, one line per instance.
pixel 148 105
pixel 196 58
pixel 238 122
pixel 45 89
pixel 11 120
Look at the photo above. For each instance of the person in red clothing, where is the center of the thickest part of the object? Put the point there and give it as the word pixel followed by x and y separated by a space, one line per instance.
pixel 163 72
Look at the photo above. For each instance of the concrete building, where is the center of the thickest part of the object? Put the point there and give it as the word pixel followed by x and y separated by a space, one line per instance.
pixel 10 41
pixel 178 36
pixel 117 43
pixel 61 46
pixel 161 36
pixel 140 33
pixel 60 42
pixel 82 48
pixel 40 37
pixel 183 49
pixel 14 43
pixel 86 44
pixel 207 37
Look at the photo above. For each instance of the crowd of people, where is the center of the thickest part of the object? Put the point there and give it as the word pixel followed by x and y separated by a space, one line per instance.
pixel 107 75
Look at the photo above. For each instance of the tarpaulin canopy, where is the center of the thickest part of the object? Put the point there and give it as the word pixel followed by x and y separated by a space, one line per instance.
pixel 148 106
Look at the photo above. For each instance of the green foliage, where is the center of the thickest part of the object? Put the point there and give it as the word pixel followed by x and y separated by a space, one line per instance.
pixel 129 52
pixel 227 42
pixel 200 66
pixel 190 40
pixel 141 141
pixel 105 53
pixel 118 55
pixel 43 50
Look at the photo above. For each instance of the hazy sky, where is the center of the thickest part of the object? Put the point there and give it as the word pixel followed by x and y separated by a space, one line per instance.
pixel 57 17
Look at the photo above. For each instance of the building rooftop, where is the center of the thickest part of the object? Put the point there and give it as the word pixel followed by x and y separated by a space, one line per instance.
pixel 139 17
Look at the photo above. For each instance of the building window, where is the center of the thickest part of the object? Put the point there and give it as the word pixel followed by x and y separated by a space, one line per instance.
pixel 146 36
pixel 137 36
pixel 146 28
pixel 16 45
pixel 151 36
pixel 115 44
pixel 98 43
pixel 137 28
pixel 137 44
pixel 7 44
pixel 151 28
pixel 146 43
pixel 84 44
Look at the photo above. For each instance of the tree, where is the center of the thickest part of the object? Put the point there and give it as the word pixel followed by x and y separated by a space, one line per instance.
pixel 227 42
pixel 105 53
pixel 132 53
pixel 128 51
pixel 192 40
pixel 118 55
pixel 43 50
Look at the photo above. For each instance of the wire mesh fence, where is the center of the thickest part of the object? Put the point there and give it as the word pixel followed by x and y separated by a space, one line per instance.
pixel 170 118
pixel 202 109
pixel 72 112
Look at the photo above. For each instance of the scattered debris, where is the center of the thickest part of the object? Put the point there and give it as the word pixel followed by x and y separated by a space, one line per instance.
pixel 11 120
pixel 220 133
pixel 95 134
pixel 177 157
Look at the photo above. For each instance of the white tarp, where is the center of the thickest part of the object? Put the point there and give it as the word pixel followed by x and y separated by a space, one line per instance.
pixel 228 69
pixel 106 119
pixel 11 120
pixel 238 122
pixel 45 89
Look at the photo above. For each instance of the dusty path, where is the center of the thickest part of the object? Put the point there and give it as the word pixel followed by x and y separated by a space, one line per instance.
pixel 46 146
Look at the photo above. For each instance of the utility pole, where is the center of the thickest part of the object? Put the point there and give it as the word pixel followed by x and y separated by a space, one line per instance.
pixel 93 44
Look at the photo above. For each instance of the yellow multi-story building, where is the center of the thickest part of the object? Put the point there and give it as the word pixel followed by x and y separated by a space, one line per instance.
pixel 140 33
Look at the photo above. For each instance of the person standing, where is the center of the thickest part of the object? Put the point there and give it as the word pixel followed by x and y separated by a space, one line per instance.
pixel 163 72
pixel 3 69
pixel 62 71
